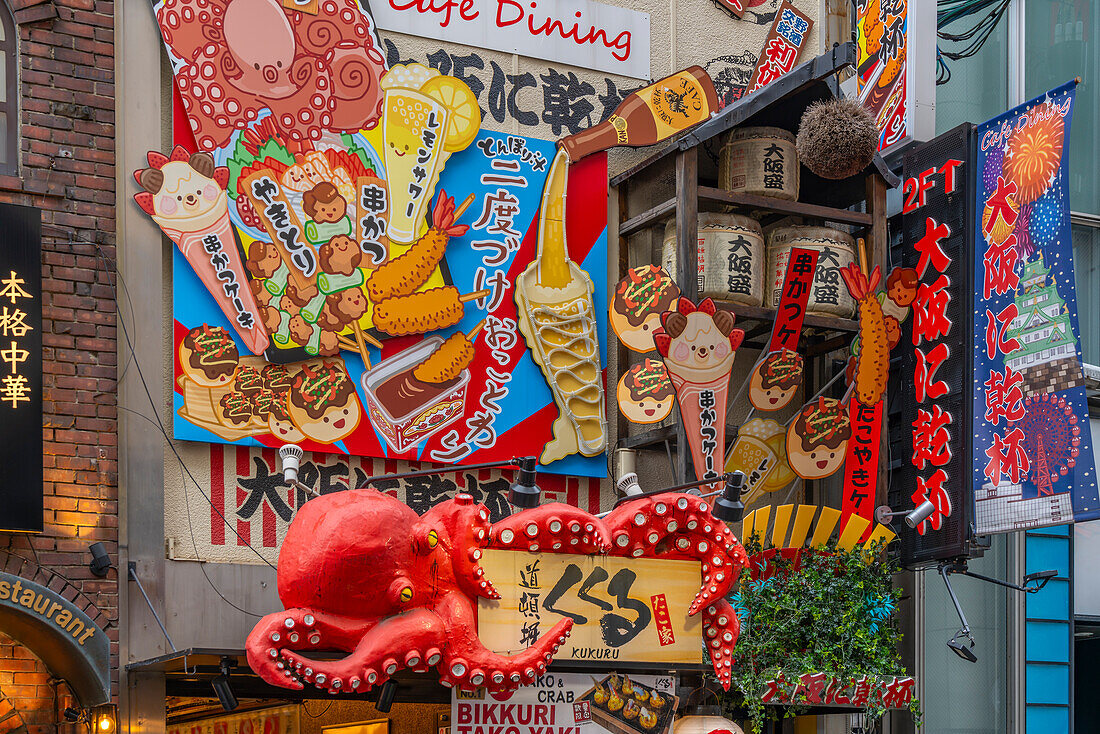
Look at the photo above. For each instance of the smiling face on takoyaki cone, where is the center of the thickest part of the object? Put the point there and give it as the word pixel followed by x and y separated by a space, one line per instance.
pixel 818 439
pixel 280 425
pixel 208 356
pixel 645 393
pixel 323 404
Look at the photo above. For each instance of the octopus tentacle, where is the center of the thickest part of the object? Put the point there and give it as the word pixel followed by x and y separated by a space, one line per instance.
pixel 721 627
pixel 467 663
pixel 272 644
pixel 555 528
pixel 465 531
pixel 679 526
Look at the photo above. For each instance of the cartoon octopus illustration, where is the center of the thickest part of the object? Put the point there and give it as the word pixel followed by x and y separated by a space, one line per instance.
pixel 233 59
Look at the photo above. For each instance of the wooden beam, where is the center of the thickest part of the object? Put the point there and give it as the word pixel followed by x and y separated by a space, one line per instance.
pixel 752 201
pixel 646 218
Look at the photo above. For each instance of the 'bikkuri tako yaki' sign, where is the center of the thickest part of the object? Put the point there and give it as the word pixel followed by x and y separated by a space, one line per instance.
pixel 359 268
pixel 570 703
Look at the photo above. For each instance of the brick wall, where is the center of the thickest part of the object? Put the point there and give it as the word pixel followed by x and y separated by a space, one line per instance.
pixel 67 171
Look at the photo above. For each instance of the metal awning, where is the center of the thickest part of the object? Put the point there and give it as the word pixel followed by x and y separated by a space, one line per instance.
pixel 189 673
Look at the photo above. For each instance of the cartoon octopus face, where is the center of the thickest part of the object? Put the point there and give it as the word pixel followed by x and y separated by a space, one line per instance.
pixel 264 59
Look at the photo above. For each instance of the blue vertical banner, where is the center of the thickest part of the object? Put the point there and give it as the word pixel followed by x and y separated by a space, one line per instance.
pixel 1032 452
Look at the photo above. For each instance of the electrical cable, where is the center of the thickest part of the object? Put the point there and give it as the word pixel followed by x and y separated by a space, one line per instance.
pixel 152 403
pixel 975 37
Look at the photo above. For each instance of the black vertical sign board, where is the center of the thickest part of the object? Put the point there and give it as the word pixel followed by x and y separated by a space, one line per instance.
pixel 929 433
pixel 21 368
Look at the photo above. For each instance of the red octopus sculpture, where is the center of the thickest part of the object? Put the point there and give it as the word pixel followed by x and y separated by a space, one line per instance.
pixel 361 573
pixel 235 58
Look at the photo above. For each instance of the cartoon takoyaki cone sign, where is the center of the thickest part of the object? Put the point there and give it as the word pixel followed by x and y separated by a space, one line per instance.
pixel 818 439
pixel 775 380
pixel 322 403
pixel 639 300
pixel 698 344
pixel 645 393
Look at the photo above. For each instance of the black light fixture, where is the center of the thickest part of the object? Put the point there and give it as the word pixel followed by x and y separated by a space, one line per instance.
pixel 884 515
pixel 729 507
pixel 101 561
pixel 524 492
pixel 221 686
pixel 386 696
pixel 947 568
pixel 71 714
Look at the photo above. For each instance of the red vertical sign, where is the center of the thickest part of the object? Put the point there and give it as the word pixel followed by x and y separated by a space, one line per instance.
pixel 861 460
pixel 792 304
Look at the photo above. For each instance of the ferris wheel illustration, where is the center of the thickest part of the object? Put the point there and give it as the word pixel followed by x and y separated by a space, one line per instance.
pixel 1052 438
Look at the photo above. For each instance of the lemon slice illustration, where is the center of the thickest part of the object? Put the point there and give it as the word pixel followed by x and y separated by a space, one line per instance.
pixel 465 118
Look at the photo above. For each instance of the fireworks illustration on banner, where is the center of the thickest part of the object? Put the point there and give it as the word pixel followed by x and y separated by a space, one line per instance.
pixel 1045 220
pixel 1051 439
pixel 1035 152
pixel 1024 246
pixel 994 158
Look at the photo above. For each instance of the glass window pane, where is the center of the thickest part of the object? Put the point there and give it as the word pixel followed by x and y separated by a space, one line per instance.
pixel 1060 42
pixel 3 73
pixel 962 697
pixel 1086 268
pixel 978 87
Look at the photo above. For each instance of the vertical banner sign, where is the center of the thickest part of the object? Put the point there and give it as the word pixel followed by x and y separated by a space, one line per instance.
pixel 861 460
pixel 801 267
pixel 1033 462
pixel 21 368
pixel 883 27
pixel 935 353
pixel 781 47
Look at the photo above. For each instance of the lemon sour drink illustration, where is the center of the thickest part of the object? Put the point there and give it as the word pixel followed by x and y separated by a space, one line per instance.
pixel 425 118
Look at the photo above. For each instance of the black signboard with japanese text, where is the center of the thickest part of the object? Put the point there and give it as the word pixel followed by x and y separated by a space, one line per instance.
pixel 929 431
pixel 21 368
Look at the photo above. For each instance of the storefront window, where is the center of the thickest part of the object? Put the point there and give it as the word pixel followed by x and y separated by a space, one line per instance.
pixel 978 86
pixel 1086 267
pixel 960 696
pixel 1060 38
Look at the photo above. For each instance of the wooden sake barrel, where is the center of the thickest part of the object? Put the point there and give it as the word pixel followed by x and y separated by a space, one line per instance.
pixel 730 257
pixel 835 250
pixel 761 161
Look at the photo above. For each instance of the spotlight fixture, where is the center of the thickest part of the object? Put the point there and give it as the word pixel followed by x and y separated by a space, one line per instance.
pixel 884 515
pixel 947 568
pixel 957 647
pixel 291 457
pixel 729 507
pixel 386 696
pixel 101 562
pixel 524 492
pixel 628 485
pixel 221 686
pixel 71 714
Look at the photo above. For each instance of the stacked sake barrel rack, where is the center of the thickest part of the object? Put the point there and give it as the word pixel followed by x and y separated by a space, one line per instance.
pixel 859 202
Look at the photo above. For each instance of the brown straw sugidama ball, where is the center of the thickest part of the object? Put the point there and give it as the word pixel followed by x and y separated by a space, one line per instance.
pixel 837 138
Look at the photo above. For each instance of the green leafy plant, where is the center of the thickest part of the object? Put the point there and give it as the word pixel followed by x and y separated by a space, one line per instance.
pixel 833 614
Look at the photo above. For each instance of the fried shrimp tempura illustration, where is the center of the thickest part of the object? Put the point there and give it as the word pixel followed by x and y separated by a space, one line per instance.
pixel 873 362
pixel 403 275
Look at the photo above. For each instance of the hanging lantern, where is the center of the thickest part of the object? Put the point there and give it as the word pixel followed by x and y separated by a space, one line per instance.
pixel 705 720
